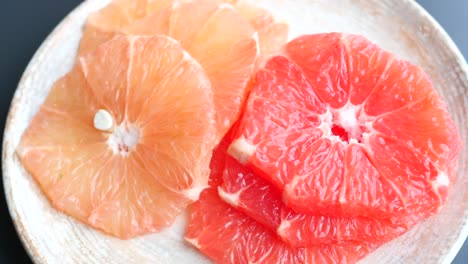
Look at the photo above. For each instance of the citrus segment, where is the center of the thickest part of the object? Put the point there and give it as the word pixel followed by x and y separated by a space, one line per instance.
pixel 363 187
pixel 403 84
pixel 193 13
pixel 429 128
pixel 246 191
pixel 272 37
pixel 323 169
pixel 228 236
pixel 149 83
pixel 71 86
pixel 228 60
pixel 367 67
pixel 65 175
pixel 111 87
pixel 114 18
pixel 139 205
pixel 323 59
pixel 289 86
pixel 152 24
pixel 410 175
pixel 136 177
pixel 311 144
pixel 271 34
pixel 50 125
pixel 258 17
pixel 153 6
pixel 279 99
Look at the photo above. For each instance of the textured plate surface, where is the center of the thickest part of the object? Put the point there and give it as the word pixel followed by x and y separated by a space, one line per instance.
pixel 399 26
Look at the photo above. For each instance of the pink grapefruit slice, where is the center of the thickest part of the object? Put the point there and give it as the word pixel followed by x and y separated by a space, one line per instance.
pixel 219 37
pixel 123 141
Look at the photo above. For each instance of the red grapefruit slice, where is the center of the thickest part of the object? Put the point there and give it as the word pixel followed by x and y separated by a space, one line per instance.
pixel 249 193
pixel 226 235
pixel 343 154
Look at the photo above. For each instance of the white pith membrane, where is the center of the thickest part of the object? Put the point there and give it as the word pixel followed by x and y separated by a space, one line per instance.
pixel 285 224
pixel 123 138
pixel 442 182
pixel 194 192
pixel 230 198
pixel 241 150
pixel 193 241
pixel 348 124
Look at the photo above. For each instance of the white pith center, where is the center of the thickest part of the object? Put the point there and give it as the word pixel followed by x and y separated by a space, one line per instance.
pixel 347 119
pixel 123 138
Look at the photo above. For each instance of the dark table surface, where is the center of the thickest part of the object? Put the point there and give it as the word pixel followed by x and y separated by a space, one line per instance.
pixel 24 25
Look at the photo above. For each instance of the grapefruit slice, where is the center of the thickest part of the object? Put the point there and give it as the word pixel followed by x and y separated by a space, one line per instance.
pixel 249 193
pixel 123 141
pixel 228 59
pixel 324 124
pixel 113 18
pixel 201 27
pixel 226 235
pixel 272 35
pixel 152 17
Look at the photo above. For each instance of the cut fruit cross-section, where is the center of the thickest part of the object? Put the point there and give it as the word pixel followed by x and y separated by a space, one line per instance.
pixel 103 25
pixel 342 127
pixel 201 27
pixel 249 193
pixel 226 235
pixel 271 34
pixel 124 140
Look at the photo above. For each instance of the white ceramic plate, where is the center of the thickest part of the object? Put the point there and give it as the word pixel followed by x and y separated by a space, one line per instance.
pixel 400 26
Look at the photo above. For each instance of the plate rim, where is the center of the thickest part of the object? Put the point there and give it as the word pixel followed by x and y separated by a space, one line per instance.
pixel 445 37
pixel 23 235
